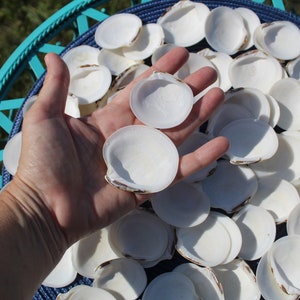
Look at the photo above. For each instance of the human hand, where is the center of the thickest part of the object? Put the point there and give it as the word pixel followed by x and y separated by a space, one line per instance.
pixel 61 162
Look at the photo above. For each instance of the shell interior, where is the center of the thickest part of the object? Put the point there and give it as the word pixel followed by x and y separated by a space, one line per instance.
pixel 118 30
pixel 251 141
pixel 205 280
pixel 121 276
pixel 238 280
pixel 161 100
pixel 258 231
pixel 184 23
pixel 64 272
pixel 279 197
pixel 91 251
pixel 141 159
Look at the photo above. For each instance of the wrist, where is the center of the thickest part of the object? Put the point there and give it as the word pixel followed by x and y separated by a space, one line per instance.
pixel 31 241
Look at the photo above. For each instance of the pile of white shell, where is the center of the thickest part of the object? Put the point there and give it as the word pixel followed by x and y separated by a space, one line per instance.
pixel 224 218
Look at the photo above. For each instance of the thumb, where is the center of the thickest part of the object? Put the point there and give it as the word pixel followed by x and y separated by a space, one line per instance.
pixel 52 97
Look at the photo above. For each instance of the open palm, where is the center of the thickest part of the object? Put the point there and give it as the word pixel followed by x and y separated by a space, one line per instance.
pixel 61 159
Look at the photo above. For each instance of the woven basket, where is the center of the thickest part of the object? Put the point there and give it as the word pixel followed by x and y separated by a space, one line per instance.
pixel 149 13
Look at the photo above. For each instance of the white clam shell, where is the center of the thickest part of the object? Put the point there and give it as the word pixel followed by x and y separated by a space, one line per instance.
pixel 279 197
pixel 207 244
pixel 236 185
pixel 221 61
pixel 235 236
pixel 252 21
pixel 225 114
pixel 161 51
pixel 258 231
pixel 149 39
pixel 293 68
pixel 274 110
pixel 123 79
pixel 268 287
pixel 254 100
pixel 285 163
pixel 181 205
pixel 128 239
pixel 170 286
pixel 121 276
pixel 192 143
pixel 90 83
pixel 184 23
pixel 115 61
pixel 285 263
pixel 140 158
pixel 169 251
pixel 63 273
pixel 255 69
pixel 194 63
pixel 92 251
pixel 204 279
pixel 293 221
pixel 287 92
pixel 225 30
pixel 86 292
pixel 118 30
pixel 12 153
pixel 251 141
pixel 161 100
pixel 281 39
pixel 238 280
pixel 79 56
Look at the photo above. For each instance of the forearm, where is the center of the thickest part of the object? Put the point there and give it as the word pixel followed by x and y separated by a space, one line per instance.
pixel 30 243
